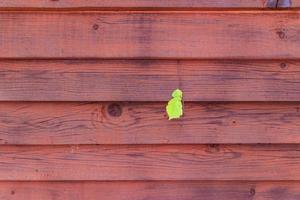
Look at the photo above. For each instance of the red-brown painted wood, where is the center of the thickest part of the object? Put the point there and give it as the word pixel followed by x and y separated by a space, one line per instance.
pixel 161 190
pixel 146 123
pixel 139 154
pixel 146 80
pixel 157 34
pixel 130 4
pixel 150 162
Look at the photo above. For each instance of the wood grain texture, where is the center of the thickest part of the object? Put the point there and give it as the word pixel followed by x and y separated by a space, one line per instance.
pixel 146 80
pixel 137 4
pixel 146 123
pixel 150 162
pixel 162 190
pixel 159 34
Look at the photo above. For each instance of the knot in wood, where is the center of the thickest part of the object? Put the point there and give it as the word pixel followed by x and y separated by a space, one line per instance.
pixel 114 110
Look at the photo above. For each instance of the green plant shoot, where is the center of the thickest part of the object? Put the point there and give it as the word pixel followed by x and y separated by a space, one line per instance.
pixel 174 107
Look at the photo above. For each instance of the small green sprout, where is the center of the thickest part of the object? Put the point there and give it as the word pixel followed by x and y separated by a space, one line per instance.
pixel 174 107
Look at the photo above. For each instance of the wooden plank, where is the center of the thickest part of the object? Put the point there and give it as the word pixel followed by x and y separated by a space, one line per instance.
pixel 110 4
pixel 150 162
pixel 146 80
pixel 157 34
pixel 146 123
pixel 162 190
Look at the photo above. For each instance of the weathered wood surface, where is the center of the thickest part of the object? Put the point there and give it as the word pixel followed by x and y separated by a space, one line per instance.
pixel 162 190
pixel 131 4
pixel 146 123
pixel 157 34
pixel 103 132
pixel 146 80
pixel 150 162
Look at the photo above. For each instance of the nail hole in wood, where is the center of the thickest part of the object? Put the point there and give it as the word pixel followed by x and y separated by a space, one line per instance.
pixel 95 26
pixel 281 34
pixel 283 66
pixel 252 192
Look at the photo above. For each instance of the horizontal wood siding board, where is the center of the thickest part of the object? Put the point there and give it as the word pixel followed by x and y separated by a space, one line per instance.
pixel 179 35
pixel 146 80
pixel 146 123
pixel 162 190
pixel 137 4
pixel 150 162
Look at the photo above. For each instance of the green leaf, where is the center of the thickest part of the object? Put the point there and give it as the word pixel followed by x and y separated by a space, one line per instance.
pixel 174 107
pixel 177 94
